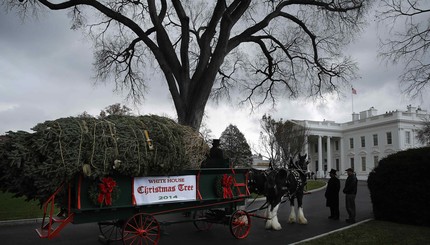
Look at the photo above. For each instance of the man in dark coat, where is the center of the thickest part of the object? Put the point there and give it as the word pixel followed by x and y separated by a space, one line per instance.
pixel 350 191
pixel 215 159
pixel 215 152
pixel 332 195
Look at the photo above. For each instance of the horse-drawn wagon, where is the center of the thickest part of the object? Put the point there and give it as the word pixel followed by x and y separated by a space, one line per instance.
pixel 126 207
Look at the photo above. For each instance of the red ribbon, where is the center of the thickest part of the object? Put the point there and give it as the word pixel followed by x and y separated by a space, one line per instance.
pixel 106 189
pixel 226 183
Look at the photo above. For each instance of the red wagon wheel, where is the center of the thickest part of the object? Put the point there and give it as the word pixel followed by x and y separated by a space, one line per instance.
pixel 200 220
pixel 141 229
pixel 240 224
pixel 111 230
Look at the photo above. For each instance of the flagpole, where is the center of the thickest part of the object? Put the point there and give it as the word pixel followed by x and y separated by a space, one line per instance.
pixel 352 100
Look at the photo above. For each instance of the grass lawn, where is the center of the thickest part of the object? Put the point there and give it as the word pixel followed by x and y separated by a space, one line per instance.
pixel 377 232
pixel 17 208
pixel 314 184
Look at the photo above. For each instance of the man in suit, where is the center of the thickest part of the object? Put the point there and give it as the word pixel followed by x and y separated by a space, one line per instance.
pixel 350 191
pixel 332 195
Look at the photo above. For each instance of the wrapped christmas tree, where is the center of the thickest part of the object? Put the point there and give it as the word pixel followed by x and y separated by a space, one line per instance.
pixel 34 164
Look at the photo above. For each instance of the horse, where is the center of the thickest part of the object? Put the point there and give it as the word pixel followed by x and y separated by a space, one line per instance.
pixel 275 184
pixel 296 188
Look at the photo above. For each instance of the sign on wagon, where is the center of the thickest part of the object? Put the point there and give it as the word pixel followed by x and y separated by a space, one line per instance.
pixel 149 190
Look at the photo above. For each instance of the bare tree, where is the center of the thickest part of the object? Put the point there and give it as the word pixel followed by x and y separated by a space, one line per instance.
pixel 115 109
pixel 291 138
pixel 423 134
pixel 269 146
pixel 409 41
pixel 282 140
pixel 264 48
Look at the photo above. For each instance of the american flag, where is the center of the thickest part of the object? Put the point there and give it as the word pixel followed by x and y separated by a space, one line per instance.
pixel 354 91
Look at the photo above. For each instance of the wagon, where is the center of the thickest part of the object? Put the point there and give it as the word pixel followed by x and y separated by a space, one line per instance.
pixel 126 207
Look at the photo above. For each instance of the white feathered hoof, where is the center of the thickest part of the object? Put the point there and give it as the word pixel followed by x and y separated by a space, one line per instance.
pixel 302 219
pixel 275 224
pixel 292 217
pixel 268 225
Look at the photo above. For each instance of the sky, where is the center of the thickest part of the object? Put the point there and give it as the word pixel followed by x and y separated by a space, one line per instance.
pixel 46 73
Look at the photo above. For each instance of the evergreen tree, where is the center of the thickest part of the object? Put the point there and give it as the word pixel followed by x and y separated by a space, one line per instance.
pixel 235 147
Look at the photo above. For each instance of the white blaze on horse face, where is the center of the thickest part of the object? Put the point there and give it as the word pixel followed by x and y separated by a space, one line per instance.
pixel 272 222
pixel 302 219
pixel 292 218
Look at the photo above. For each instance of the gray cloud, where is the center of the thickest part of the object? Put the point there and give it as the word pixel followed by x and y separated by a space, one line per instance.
pixel 46 73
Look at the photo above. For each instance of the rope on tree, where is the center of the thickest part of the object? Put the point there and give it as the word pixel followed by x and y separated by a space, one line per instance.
pixel 32 164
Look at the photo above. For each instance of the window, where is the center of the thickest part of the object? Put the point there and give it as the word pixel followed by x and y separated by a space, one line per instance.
pixel 375 140
pixel 351 161
pixel 351 143
pixel 389 138
pixel 407 137
pixel 363 164
pixel 363 141
pixel 336 145
pixel 337 163
pixel 375 161
pixel 316 148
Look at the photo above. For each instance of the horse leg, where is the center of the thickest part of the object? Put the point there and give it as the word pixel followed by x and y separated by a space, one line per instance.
pixel 302 219
pixel 292 218
pixel 272 221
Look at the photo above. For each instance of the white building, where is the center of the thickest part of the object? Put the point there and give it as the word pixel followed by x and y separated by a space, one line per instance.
pixel 259 163
pixel 362 142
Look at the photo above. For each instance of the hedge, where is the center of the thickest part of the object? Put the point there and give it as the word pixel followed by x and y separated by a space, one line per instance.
pixel 400 187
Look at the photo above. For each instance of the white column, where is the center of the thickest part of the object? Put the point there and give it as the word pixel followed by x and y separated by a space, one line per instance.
pixel 342 157
pixel 307 150
pixel 328 154
pixel 320 172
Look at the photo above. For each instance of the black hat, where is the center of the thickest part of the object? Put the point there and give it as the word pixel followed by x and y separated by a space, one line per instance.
pixel 215 142
pixel 349 169
pixel 332 171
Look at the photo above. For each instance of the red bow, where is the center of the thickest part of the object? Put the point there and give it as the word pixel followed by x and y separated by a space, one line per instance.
pixel 106 188
pixel 226 183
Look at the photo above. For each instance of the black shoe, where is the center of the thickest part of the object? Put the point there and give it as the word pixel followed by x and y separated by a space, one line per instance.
pixel 330 217
pixel 351 221
pixel 335 218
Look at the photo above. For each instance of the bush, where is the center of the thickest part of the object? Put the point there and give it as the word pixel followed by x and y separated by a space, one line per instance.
pixel 399 187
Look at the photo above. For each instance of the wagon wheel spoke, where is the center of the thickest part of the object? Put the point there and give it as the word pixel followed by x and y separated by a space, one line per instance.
pixel 200 220
pixel 111 230
pixel 141 229
pixel 240 224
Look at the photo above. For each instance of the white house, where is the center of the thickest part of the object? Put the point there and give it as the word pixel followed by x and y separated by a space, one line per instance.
pixel 362 142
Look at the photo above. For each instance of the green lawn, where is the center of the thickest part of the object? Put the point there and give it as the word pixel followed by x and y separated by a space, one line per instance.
pixel 17 208
pixel 314 184
pixel 378 233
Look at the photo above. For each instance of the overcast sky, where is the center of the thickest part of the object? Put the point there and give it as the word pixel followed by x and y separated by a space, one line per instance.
pixel 46 73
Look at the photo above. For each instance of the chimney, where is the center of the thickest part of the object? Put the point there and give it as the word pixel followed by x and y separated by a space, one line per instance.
pixel 355 116
pixel 372 112
pixel 363 115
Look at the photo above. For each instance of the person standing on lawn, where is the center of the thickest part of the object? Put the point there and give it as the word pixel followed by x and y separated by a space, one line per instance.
pixel 350 191
pixel 332 195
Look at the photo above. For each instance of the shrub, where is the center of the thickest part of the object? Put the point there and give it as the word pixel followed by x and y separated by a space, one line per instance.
pixel 399 187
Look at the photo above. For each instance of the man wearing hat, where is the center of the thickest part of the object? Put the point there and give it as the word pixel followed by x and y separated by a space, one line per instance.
pixel 350 191
pixel 332 195
pixel 215 152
